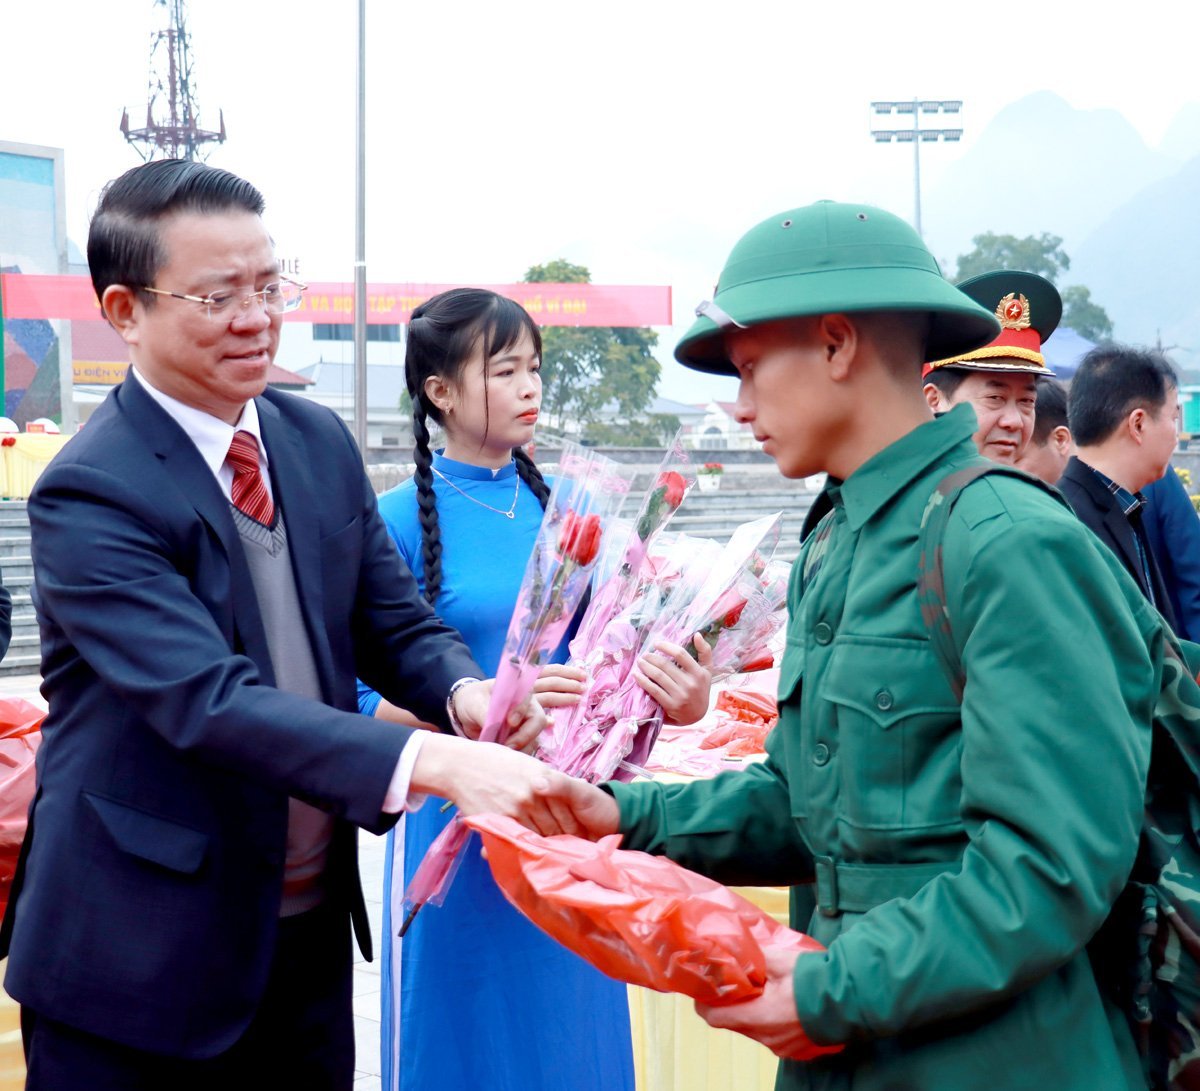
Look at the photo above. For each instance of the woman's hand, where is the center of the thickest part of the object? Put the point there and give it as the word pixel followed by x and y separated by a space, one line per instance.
pixel 560 686
pixel 525 723
pixel 679 683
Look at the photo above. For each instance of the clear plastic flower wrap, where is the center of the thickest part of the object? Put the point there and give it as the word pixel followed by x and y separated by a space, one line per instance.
pixel 687 586
pixel 586 494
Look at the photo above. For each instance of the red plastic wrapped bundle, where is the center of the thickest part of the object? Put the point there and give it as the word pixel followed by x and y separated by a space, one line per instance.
pixel 20 722
pixel 639 918
pixel 747 716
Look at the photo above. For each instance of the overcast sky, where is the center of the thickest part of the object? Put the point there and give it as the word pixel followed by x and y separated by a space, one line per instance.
pixel 637 138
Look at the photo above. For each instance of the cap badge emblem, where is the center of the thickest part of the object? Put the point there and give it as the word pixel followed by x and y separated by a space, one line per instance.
pixel 1013 312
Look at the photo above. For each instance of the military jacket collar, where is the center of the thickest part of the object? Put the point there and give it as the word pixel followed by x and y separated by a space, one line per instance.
pixel 886 474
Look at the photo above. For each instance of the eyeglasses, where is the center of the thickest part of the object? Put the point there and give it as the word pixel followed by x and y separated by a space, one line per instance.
pixel 278 297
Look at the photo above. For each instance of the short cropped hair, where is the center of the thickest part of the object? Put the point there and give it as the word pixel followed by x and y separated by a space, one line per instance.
pixel 123 242
pixel 1051 409
pixel 1110 383
pixel 947 379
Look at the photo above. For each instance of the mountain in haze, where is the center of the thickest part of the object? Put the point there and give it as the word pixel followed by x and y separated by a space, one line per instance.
pixel 1182 138
pixel 1142 265
pixel 1042 165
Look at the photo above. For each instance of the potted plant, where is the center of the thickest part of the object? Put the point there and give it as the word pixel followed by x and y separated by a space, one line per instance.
pixel 708 476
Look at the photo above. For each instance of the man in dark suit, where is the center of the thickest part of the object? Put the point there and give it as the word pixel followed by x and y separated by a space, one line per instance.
pixel 1123 410
pixel 211 576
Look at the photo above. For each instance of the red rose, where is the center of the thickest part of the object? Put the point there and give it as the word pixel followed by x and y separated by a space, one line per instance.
pixel 733 614
pixel 673 487
pixel 579 539
pixel 729 609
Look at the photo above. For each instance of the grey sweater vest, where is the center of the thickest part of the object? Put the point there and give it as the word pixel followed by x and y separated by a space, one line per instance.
pixel 309 829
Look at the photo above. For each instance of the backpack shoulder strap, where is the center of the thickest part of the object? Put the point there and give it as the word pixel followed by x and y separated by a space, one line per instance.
pixel 931 581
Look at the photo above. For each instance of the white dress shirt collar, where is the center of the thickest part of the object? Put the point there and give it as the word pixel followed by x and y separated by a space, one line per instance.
pixel 210 434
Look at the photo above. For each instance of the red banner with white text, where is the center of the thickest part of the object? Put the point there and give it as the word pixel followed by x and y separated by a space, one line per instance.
pixel 72 297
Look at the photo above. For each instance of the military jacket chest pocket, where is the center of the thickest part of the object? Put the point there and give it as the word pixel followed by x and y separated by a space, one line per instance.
pixel 898 734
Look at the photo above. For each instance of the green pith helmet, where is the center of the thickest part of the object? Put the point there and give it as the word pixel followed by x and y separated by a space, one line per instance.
pixel 829 258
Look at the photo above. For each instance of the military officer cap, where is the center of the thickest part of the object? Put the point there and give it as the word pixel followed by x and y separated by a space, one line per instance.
pixel 829 258
pixel 1028 308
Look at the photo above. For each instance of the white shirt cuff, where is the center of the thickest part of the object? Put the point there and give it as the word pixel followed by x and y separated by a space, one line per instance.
pixel 398 797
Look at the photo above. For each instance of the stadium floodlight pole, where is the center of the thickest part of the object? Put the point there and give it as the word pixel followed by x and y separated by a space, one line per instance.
pixel 917 135
pixel 360 241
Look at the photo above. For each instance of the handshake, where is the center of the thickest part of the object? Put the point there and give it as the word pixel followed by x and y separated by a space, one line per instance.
pixel 489 778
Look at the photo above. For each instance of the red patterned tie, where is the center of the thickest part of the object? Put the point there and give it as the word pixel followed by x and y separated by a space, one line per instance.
pixel 249 490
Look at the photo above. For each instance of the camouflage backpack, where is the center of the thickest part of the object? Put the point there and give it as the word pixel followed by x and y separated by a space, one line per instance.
pixel 1147 955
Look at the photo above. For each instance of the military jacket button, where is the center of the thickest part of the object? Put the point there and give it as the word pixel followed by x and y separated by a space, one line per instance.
pixel 822 633
pixel 820 754
pixel 883 700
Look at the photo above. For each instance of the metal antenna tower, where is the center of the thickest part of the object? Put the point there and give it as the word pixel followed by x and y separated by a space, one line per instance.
pixel 172 129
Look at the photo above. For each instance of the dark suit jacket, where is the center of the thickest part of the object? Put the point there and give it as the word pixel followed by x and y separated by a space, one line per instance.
pixel 5 620
pixel 1097 508
pixel 1173 529
pixel 146 903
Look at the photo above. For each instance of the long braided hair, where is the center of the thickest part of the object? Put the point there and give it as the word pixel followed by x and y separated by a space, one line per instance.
pixel 442 337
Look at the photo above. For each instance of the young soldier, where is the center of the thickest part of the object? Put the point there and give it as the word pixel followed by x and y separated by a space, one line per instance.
pixel 999 380
pixel 960 855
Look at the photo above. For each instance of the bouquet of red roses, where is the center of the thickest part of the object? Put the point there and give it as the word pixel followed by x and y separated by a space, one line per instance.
pixel 587 490
pixel 689 587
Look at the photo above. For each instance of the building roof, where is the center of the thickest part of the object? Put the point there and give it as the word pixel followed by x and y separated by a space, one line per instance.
pixel 334 379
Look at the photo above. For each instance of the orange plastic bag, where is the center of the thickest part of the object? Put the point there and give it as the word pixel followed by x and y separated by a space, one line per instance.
pixel 747 717
pixel 639 918
pixel 20 735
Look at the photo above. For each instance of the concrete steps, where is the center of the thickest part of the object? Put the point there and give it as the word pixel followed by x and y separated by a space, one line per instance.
pixel 24 652
pixel 745 493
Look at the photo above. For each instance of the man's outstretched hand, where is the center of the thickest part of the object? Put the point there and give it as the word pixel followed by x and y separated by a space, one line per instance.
pixel 486 778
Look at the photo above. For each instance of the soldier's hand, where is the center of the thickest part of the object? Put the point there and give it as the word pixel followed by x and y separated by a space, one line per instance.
pixel 770 1018
pixel 486 778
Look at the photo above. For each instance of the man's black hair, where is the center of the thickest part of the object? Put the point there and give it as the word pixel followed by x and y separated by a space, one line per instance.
pixel 123 243
pixel 947 379
pixel 1051 409
pixel 1111 382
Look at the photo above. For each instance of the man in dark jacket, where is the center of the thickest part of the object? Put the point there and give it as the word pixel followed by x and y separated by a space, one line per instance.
pixel 1124 414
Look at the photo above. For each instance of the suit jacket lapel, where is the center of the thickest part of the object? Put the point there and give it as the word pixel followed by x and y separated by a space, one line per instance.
pixel 295 494
pixel 183 464
pixel 1114 521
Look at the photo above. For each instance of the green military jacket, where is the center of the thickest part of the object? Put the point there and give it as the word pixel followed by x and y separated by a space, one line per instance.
pixel 954 859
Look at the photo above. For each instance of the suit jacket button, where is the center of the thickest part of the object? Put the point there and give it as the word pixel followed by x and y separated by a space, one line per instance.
pixel 822 632
pixel 883 700
pixel 820 754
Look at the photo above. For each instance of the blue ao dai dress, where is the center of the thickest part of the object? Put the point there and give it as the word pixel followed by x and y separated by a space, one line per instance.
pixel 487 1002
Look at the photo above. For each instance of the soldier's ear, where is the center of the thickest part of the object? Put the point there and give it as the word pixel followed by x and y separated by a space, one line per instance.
pixel 933 396
pixel 839 336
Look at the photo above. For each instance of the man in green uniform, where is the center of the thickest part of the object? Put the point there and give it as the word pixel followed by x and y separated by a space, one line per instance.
pixel 955 859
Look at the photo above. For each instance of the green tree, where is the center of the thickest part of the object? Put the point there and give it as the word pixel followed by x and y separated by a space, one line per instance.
pixel 1086 318
pixel 586 368
pixel 1042 254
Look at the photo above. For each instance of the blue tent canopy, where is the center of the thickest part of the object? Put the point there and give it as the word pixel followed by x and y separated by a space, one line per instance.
pixel 1063 350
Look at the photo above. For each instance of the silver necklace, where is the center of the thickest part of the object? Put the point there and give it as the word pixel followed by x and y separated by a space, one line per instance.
pixel 512 509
